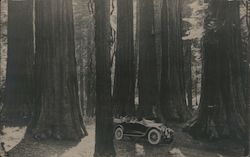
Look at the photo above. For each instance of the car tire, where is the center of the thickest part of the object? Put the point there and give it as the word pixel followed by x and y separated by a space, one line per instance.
pixel 118 133
pixel 154 136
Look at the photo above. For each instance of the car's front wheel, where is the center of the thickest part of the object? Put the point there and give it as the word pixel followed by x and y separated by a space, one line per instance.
pixel 154 136
pixel 118 133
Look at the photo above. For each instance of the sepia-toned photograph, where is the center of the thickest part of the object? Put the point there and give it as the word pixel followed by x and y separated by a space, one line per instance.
pixel 124 78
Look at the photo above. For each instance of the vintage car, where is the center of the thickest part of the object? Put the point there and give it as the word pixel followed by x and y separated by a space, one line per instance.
pixel 149 129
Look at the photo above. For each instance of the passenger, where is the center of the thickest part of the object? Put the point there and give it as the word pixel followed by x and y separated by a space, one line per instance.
pixel 133 119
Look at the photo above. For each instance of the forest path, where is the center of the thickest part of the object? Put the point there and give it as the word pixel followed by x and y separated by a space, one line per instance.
pixel 183 146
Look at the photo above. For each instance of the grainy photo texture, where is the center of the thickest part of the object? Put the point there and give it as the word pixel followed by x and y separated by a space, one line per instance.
pixel 124 78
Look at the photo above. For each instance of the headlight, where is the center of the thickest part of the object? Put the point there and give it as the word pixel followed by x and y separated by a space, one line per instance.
pixel 169 132
pixel 163 128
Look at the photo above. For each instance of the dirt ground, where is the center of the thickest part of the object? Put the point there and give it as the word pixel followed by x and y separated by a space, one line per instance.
pixel 183 146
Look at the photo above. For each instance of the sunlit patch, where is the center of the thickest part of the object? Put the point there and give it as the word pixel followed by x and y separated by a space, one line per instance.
pixel 12 136
pixel 219 155
pixel 85 147
pixel 176 152
pixel 139 150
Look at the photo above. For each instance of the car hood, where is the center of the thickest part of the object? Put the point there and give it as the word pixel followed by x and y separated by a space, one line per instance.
pixel 153 124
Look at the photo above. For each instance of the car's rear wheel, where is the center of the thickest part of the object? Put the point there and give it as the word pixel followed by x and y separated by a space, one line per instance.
pixel 118 133
pixel 154 136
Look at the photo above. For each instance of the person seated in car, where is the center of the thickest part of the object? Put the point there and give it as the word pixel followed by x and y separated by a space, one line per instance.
pixel 142 120
pixel 133 120
pixel 126 119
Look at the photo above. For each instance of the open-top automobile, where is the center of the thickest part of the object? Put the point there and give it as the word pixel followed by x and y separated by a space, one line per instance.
pixel 154 132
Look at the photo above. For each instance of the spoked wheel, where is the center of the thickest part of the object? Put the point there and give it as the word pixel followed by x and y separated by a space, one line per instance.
pixel 154 137
pixel 118 133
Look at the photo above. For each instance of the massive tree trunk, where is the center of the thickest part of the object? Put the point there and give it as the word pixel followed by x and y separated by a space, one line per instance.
pixel 58 113
pixel 104 146
pixel 247 138
pixel 90 79
pixel 172 92
pixel 222 107
pixel 83 29
pixel 147 59
pixel 124 86
pixel 136 10
pixel 1 88
pixel 20 59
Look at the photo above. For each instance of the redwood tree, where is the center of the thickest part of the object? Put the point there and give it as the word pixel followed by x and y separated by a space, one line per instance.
pixel 90 78
pixel 58 113
pixel 124 86
pixel 222 105
pixel 1 88
pixel 104 123
pixel 147 80
pixel 247 84
pixel 172 93
pixel 19 92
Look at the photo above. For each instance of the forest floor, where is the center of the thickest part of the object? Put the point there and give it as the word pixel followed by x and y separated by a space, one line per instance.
pixel 183 146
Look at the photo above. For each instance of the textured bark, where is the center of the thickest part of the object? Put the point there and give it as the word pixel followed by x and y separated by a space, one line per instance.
pixel 172 92
pixel 124 86
pixel 188 72
pixel 222 106
pixel 1 90
pixel 19 92
pixel 247 138
pixel 91 73
pixel 157 25
pixel 81 84
pixel 82 30
pixel 136 47
pixel 147 59
pixel 58 113
pixel 104 146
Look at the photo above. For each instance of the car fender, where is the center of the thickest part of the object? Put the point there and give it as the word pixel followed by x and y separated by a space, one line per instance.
pixel 151 129
pixel 119 125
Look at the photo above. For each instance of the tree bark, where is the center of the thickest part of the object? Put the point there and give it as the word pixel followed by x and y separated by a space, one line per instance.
pixel 1 88
pixel 104 146
pixel 81 84
pixel 247 138
pixel 58 112
pixel 188 73
pixel 147 80
pixel 91 72
pixel 19 91
pixel 172 92
pixel 124 86
pixel 222 105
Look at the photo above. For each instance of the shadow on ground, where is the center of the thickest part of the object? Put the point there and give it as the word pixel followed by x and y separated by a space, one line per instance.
pixel 29 147
pixel 183 146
